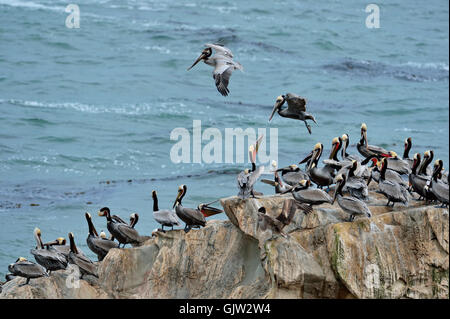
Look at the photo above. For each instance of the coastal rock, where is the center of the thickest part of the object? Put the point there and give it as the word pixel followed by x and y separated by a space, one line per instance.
pixel 400 252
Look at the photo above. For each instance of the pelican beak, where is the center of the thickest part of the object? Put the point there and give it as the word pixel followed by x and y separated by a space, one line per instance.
pixel 307 158
pixel 176 199
pixel 275 108
pixel 201 57
pixel 278 103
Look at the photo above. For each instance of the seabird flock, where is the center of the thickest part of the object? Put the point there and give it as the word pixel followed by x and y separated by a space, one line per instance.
pixel 397 179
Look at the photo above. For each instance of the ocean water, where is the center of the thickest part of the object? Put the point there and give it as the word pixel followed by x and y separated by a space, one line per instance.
pixel 86 114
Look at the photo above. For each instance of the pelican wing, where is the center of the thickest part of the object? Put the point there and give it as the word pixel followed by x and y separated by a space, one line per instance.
pixel 220 49
pixel 117 219
pixel 255 175
pixel 105 244
pixel 49 254
pixel 166 217
pixel 221 75
pixel 354 205
pixel 296 104
pixel 128 231
pixel 28 269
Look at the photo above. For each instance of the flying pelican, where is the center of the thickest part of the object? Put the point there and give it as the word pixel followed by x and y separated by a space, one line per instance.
pixel 165 217
pixel 85 265
pixel 191 217
pixel 223 64
pixel 27 269
pixel 350 205
pixel 100 246
pixel 124 233
pixel 393 191
pixel 437 187
pixel 367 150
pixel 296 109
pixel 50 259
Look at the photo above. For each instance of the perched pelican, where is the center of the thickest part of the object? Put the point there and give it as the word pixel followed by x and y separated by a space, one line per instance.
pixel 165 217
pixel 322 176
pixel 437 187
pixel 418 182
pixel 427 159
pixel 296 109
pixel 191 217
pixel 280 187
pixel 292 174
pixel 408 144
pixel 27 269
pixel 332 161
pixel 124 233
pixel 50 259
pixel 389 174
pixel 345 142
pixel 367 150
pixel 85 265
pixel 246 180
pixel 100 246
pixel 304 194
pixel 397 164
pixel 393 191
pixel 355 185
pixel 350 205
pixel 223 64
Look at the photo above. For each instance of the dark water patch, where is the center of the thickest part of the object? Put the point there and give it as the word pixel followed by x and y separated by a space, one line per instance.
pixel 408 71
pixel 37 122
pixel 58 139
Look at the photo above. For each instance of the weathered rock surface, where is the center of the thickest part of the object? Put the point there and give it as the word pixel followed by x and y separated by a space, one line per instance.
pixel 398 253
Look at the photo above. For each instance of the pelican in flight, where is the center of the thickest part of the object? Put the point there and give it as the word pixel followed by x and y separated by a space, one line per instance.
pixel 296 109
pixel 223 64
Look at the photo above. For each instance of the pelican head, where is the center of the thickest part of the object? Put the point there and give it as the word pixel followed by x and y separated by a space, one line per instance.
pixel 20 259
pixel 274 164
pixel 393 154
pixel 293 167
pixel 181 191
pixel 340 181
pixel 61 241
pixel 206 53
pixel 104 211
pixel 262 210
pixel 344 137
pixel 427 154
pixel 363 127
pixel 246 171
pixel 278 103
pixel 103 235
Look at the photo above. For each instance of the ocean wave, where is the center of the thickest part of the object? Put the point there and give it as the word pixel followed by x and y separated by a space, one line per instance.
pixel 410 71
pixel 31 5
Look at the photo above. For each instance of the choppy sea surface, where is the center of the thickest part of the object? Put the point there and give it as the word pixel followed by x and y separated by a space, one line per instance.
pixel 86 114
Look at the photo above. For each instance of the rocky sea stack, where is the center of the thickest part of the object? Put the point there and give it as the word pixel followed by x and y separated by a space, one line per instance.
pixel 400 252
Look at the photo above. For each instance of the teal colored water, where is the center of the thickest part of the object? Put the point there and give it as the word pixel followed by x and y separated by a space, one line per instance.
pixel 80 107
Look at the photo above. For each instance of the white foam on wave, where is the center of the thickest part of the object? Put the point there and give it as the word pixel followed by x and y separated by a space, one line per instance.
pixel 30 5
pixel 428 65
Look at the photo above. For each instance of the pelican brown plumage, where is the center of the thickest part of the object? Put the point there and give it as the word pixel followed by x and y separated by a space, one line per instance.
pixel 165 217
pixel 367 150
pixel 312 196
pixel 296 109
pixel 223 64
pixel 48 258
pixel 350 205
pixel 322 176
pixel 393 191
pixel 437 187
pixel 84 264
pixel 27 269
pixel 193 218
pixel 100 246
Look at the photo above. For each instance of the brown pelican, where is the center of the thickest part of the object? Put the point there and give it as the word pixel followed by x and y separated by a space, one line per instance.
pixel 292 174
pixel 367 150
pixel 27 269
pixel 165 217
pixel 246 180
pixel 100 246
pixel 417 181
pixel 393 191
pixel 84 264
pixel 408 144
pixel 280 187
pixel 355 185
pixel 296 109
pixel 304 194
pixel 322 176
pixel 193 218
pixel 390 175
pixel 223 64
pixel 345 156
pixel 397 164
pixel 332 160
pixel 124 233
pixel 50 259
pixel 438 188
pixel 350 205
pixel 427 159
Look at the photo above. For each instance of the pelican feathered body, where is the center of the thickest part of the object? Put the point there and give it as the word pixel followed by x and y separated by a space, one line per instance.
pixel 124 233
pixel 437 187
pixel 27 269
pixel 193 218
pixel 84 264
pixel 311 196
pixel 165 217
pixel 277 183
pixel 398 165
pixel 223 64
pixel 296 109
pixel 350 205
pixel 322 176
pixel 100 246
pixel 367 150
pixel 246 180
pixel 418 181
pixel 50 259
pixel 292 174
pixel 393 191
pixel 355 185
